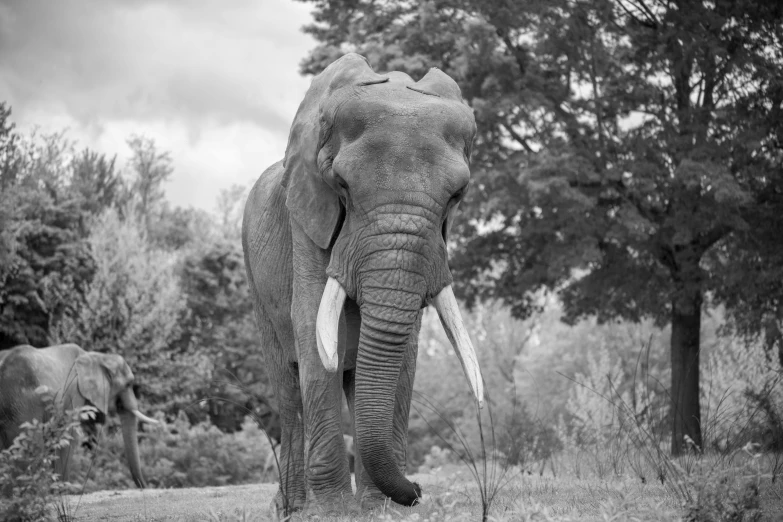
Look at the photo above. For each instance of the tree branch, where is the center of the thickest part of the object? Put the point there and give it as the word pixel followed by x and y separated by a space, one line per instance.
pixel 520 139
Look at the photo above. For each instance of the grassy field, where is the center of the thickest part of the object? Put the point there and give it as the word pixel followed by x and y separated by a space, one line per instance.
pixel 450 494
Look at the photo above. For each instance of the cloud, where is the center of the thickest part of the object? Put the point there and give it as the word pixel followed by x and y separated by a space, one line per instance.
pixel 214 82
pixel 200 61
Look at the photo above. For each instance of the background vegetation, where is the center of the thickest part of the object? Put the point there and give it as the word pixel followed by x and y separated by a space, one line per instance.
pixel 619 250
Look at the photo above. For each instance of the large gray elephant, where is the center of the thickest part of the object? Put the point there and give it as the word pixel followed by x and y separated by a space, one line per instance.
pixel 345 244
pixel 76 378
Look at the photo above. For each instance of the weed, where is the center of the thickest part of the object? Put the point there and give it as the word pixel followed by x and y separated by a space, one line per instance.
pixel 489 468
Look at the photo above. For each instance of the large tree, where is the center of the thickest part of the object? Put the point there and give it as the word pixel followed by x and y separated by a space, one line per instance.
pixel 45 263
pixel 622 143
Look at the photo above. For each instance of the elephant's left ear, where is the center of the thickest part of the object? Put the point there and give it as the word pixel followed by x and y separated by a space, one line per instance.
pixel 93 381
pixel 309 199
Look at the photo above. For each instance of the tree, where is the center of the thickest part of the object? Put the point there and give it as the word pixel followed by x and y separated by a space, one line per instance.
pixel 151 168
pixel 620 144
pixel 134 306
pixel 95 179
pixel 46 264
pixel 220 325
pixel 230 204
pixel 176 228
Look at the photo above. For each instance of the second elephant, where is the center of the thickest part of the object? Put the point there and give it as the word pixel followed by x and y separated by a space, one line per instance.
pixel 76 378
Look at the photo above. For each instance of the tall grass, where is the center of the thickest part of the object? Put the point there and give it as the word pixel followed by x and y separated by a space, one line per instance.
pixel 708 484
pixel 488 466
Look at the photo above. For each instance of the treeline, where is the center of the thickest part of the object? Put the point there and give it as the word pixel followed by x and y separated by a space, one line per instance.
pixel 92 253
pixel 629 156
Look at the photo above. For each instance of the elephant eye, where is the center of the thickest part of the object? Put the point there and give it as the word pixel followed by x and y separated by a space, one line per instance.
pixel 340 181
pixel 457 196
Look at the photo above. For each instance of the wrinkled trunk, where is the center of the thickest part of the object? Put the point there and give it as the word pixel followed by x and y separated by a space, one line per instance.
pixel 388 318
pixel 130 436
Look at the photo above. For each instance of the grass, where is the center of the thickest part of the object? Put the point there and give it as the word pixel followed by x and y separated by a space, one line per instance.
pixel 450 494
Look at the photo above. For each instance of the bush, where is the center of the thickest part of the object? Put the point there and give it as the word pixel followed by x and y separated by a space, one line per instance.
pixel 743 396
pixel 134 307
pixel 28 485
pixel 178 455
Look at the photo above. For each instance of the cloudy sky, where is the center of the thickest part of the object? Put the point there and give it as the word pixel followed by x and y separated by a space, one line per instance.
pixel 214 82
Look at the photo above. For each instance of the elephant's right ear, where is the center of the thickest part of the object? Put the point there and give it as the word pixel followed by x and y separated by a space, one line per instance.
pixel 93 381
pixel 311 202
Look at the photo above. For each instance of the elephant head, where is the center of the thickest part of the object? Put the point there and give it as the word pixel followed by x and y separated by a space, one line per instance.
pixel 375 168
pixel 105 381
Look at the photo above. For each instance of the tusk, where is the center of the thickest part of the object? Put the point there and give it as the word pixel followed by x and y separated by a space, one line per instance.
pixel 327 323
pixel 451 319
pixel 143 418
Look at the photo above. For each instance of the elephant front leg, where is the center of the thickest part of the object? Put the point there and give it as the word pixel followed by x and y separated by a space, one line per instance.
pixel 284 374
pixel 327 479
pixel 62 463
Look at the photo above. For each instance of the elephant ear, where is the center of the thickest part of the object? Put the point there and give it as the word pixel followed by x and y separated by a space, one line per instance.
pixel 309 199
pixel 93 381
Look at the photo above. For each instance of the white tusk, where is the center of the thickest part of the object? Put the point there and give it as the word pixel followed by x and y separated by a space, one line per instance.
pixel 451 319
pixel 327 323
pixel 143 418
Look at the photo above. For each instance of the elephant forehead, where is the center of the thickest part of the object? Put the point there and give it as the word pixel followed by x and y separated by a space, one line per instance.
pixel 395 108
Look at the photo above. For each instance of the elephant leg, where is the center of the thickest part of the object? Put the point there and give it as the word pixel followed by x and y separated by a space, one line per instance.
pixel 285 379
pixel 62 464
pixel 367 493
pixel 327 478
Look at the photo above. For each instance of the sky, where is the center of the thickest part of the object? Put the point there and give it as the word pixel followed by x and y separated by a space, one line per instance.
pixel 214 82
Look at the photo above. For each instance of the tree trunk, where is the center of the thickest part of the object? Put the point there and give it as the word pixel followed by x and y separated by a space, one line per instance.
pixel 685 346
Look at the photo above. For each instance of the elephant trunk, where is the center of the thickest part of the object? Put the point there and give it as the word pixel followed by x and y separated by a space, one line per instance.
pixel 388 319
pixel 130 435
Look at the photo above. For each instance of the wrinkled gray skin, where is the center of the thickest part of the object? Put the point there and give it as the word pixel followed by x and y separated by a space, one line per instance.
pixel 76 378
pixel 374 169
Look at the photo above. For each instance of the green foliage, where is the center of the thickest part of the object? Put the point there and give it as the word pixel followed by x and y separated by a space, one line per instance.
pixel 28 485
pixel 134 307
pixel 150 168
pixel 46 264
pixel 624 150
pixel 180 228
pixel 722 498
pixel 178 455
pixel 743 395
pixel 221 324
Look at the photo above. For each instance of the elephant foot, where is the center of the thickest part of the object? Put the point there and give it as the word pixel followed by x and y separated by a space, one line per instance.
pixel 279 509
pixel 346 506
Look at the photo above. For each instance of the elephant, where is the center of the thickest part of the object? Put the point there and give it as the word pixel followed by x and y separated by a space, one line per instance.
pixel 345 243
pixel 76 378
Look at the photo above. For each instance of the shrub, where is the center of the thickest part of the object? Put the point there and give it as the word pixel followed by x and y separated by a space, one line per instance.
pixel 436 458
pixel 743 396
pixel 725 494
pixel 28 484
pixel 179 455
pixel 134 307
